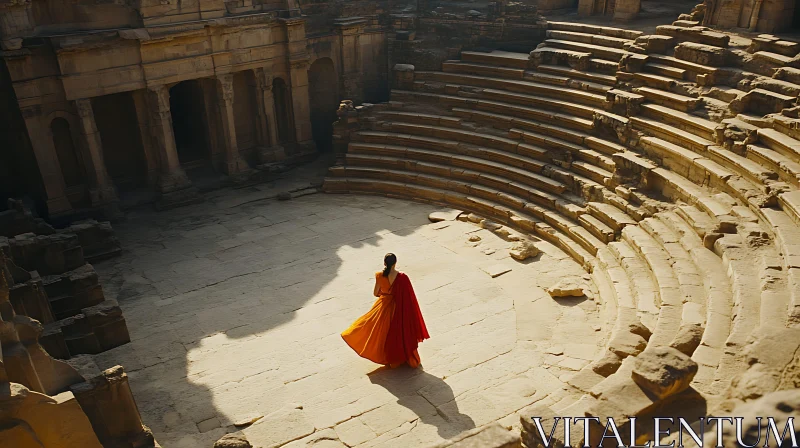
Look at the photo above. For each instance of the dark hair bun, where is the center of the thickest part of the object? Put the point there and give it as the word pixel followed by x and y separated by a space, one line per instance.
pixel 389 260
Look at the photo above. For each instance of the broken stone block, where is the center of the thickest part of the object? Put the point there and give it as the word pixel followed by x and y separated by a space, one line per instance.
pixel 444 215
pixel 96 238
pixel 29 299
pixel 72 291
pixel 607 365
pixel 523 250
pixel 107 324
pixel 687 339
pixel 108 402
pixel 664 371
pixel 567 288
pixel 491 225
pixel 624 344
pixel 701 54
pixel 57 420
pixel 547 417
pixel 233 440
pixel 47 254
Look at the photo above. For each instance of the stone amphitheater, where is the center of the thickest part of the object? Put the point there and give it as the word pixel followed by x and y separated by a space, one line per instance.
pixel 600 222
pixel 665 164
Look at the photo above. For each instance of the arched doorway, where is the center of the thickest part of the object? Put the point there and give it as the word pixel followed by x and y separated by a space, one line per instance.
pixel 189 122
pixel 324 96
pixel 73 169
pixel 283 111
pixel 123 152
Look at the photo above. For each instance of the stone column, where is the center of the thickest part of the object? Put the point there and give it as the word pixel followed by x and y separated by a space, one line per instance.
pixel 173 185
pixel 46 158
pixel 301 101
pixel 102 189
pixel 234 164
pixel 352 76
pixel 298 74
pixel 268 127
pixel 146 134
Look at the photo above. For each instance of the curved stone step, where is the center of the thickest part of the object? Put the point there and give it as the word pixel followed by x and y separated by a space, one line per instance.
pixel 438 190
pixel 420 118
pixel 685 162
pixel 577 150
pixel 787 237
pixel 498 58
pixel 453 134
pixel 475 164
pixel 599 51
pixel 718 302
pixel 519 159
pixel 782 143
pixel 588 38
pixel 483 70
pixel 569 72
pixel 665 70
pixel 678 187
pixel 506 115
pixel 671 134
pixel 670 299
pixel 645 298
pixel 665 98
pixel 578 96
pixel 690 123
pixel 742 165
pixel 682 64
pixel 788 170
pixel 594 29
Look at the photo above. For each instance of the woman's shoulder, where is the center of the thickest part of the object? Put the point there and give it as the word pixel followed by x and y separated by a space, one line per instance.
pixel 379 274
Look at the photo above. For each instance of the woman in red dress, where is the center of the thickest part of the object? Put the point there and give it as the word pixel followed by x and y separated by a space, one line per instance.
pixel 391 330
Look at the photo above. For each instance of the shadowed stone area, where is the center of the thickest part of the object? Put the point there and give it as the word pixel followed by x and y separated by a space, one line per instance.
pixel 235 315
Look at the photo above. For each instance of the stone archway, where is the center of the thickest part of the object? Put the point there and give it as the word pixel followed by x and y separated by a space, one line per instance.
pixel 123 152
pixel 324 96
pixel 283 111
pixel 73 168
pixel 189 124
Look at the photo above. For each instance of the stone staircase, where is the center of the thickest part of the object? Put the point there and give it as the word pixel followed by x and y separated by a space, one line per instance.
pixel 666 165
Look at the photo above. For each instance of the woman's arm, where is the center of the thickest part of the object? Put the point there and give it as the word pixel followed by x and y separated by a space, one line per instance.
pixel 377 290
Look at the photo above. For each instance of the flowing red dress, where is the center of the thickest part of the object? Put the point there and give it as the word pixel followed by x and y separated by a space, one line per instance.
pixel 390 332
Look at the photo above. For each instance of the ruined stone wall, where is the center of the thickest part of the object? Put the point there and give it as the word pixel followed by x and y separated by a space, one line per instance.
pixel 767 16
pixel 18 172
pixel 194 83
pixel 45 402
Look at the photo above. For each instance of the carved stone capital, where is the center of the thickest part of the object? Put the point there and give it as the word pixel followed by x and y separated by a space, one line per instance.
pixel 264 79
pixel 84 107
pixel 298 64
pixel 225 87
pixel 158 97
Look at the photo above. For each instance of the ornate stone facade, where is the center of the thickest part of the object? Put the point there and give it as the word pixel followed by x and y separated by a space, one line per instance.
pixel 129 99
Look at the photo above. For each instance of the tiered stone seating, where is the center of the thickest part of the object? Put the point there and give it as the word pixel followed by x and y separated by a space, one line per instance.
pixel 579 144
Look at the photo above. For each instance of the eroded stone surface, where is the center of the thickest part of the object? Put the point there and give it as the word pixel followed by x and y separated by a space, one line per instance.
pixel 664 371
pixel 236 312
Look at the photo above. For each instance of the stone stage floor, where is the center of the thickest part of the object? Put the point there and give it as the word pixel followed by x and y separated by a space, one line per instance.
pixel 235 309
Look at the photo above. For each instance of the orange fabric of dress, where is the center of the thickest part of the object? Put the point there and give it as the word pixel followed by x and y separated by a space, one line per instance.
pixel 367 335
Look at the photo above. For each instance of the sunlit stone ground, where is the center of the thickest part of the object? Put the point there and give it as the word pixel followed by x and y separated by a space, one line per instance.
pixel 235 312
